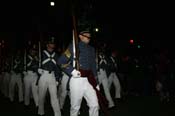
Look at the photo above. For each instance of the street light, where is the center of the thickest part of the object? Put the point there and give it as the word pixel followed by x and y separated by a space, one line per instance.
pixel 96 29
pixel 52 3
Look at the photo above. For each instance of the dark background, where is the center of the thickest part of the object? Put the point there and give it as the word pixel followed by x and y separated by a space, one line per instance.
pixel 148 23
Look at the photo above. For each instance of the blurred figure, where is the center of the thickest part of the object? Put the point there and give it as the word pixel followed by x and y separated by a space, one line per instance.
pixel 113 77
pixel 63 89
pixel 6 79
pixel 16 76
pixel 30 78
pixel 102 75
pixel 49 79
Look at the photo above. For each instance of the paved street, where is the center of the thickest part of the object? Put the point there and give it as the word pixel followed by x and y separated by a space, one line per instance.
pixel 130 106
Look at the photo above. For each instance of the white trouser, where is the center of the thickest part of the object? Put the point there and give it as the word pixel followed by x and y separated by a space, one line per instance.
pixel 6 84
pixel 63 92
pixel 79 88
pixel 113 78
pixel 102 77
pixel 47 81
pixel 16 79
pixel 30 86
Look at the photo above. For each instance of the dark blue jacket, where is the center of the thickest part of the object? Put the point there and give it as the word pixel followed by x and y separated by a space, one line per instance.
pixel 32 63
pixel 18 64
pixel 86 58
pixel 102 61
pixel 50 63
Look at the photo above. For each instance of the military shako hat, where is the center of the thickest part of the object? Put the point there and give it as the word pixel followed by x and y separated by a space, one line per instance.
pixel 51 40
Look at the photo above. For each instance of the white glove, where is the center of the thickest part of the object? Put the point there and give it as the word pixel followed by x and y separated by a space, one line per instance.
pixel 57 83
pixel 76 73
pixel 40 71
pixel 98 87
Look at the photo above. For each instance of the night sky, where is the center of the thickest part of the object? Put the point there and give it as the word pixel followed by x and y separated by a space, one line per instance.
pixel 117 21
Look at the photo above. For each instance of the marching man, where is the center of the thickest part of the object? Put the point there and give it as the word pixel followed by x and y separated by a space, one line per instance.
pixel 31 76
pixel 16 77
pixel 102 76
pixel 50 75
pixel 79 82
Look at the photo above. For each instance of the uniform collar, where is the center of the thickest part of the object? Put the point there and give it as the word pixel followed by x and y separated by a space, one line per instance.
pixel 82 43
pixel 50 52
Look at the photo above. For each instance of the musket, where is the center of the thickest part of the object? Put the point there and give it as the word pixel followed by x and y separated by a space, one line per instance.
pixel 39 53
pixel 101 99
pixel 25 60
pixel 75 41
pixel 39 58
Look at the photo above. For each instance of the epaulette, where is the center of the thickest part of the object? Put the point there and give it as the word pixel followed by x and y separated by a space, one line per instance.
pixel 67 53
pixel 64 65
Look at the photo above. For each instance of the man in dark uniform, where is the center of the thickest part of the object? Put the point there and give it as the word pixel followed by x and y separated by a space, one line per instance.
pixel 6 79
pixel 50 74
pixel 79 82
pixel 32 63
pixel 113 77
pixel 16 76
pixel 102 75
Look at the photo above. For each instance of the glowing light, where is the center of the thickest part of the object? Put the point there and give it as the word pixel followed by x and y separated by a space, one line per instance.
pixel 131 41
pixel 96 29
pixel 52 3
pixel 138 46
